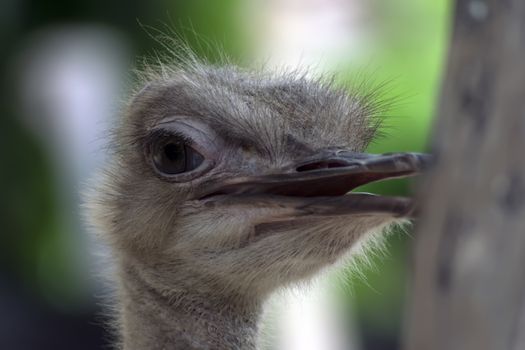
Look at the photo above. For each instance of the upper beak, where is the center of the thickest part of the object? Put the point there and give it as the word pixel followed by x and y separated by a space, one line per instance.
pixel 325 175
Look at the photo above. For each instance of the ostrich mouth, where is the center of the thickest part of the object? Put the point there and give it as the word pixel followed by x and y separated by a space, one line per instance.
pixel 320 185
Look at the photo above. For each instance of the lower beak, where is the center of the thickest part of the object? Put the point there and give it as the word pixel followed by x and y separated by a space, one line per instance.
pixel 318 184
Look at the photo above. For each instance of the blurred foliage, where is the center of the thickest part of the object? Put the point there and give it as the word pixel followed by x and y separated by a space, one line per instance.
pixel 28 207
pixel 208 25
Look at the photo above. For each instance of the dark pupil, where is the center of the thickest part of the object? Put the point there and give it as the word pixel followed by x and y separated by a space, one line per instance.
pixel 174 152
pixel 171 158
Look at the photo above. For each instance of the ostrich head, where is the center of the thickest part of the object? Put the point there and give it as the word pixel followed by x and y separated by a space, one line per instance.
pixel 234 183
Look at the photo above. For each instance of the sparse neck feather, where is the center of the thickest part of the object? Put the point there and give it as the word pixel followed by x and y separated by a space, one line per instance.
pixel 151 319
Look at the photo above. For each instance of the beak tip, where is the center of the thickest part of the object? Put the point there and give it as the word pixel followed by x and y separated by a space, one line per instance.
pixel 423 161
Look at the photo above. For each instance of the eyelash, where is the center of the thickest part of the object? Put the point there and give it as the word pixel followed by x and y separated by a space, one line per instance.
pixel 165 134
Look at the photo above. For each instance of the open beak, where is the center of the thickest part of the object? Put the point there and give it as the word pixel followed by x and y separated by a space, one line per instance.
pixel 318 185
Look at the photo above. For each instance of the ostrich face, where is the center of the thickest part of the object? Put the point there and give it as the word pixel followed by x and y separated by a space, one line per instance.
pixel 226 180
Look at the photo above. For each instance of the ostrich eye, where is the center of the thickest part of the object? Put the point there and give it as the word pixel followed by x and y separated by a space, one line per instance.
pixel 172 157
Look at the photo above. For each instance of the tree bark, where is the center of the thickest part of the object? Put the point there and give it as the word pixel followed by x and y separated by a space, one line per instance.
pixel 468 290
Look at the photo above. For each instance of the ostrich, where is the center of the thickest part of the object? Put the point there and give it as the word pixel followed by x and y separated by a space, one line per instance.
pixel 226 185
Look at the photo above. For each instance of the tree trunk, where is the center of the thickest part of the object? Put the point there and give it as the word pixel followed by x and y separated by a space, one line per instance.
pixel 468 290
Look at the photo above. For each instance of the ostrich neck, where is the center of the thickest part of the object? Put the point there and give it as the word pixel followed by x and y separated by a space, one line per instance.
pixel 151 319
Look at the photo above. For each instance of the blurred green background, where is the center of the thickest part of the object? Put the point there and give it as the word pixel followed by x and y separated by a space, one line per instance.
pixel 52 54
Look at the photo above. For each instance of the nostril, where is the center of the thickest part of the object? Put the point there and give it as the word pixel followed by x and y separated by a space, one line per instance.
pixel 325 164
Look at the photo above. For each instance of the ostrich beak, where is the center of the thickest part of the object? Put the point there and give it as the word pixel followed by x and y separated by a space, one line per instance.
pixel 318 185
